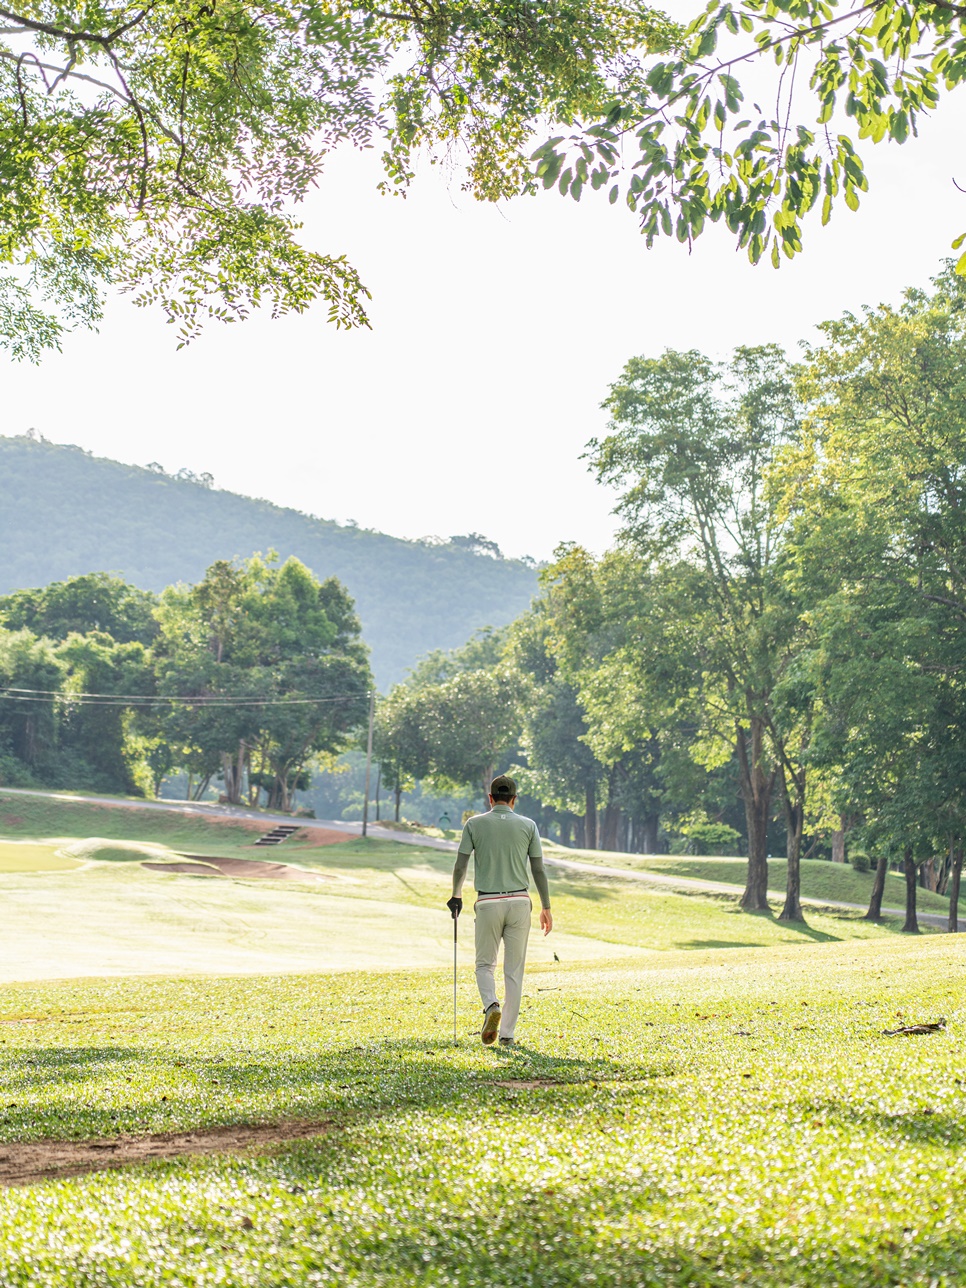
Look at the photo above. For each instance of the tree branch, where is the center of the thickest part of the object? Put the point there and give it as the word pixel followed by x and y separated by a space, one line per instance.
pixel 88 37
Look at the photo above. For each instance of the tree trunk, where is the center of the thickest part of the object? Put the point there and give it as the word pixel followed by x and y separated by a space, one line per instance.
pixel 590 819
pixel 253 788
pixel 945 868
pixel 911 926
pixel 954 875
pixel 231 768
pixel 649 829
pixel 838 845
pixel 398 794
pixel 580 832
pixel 610 828
pixel 927 875
pixel 565 825
pixel 756 789
pixel 878 889
pixel 794 822
pixel 488 777
pixel 378 785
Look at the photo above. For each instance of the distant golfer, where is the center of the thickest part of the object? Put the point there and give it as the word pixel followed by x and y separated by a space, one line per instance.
pixel 503 843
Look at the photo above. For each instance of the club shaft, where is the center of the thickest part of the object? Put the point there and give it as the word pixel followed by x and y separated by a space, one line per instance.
pixel 455 925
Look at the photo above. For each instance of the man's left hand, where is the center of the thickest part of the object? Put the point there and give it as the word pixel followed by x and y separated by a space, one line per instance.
pixel 455 906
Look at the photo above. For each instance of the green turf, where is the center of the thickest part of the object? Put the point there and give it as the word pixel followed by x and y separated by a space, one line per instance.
pixel 836 882
pixel 709 1118
pixel 42 817
pixel 375 905
pixel 30 857
pixel 701 1097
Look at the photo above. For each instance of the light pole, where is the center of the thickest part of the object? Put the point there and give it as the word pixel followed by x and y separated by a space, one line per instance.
pixel 372 720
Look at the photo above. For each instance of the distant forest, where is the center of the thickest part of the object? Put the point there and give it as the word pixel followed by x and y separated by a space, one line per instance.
pixel 64 512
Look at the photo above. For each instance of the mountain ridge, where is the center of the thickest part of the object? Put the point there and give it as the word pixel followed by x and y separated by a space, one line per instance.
pixel 65 511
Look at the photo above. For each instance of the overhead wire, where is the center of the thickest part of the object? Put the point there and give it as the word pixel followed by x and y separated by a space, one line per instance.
pixel 213 701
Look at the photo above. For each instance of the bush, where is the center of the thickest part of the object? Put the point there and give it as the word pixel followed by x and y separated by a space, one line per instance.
pixel 860 861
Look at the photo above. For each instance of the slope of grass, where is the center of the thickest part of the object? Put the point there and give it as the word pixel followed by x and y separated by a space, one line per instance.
pixel 709 1118
pixel 40 817
pixel 837 882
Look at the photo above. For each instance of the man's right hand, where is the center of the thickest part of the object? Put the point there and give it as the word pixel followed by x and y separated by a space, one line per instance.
pixel 546 920
pixel 455 906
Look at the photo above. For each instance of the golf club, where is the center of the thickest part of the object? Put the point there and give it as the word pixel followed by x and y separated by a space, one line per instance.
pixel 455 925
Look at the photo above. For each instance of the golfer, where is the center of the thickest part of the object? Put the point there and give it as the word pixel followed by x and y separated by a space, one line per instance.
pixel 503 843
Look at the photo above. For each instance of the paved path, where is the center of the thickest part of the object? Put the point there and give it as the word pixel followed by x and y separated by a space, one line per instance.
pixel 209 810
pixel 686 885
pixel 694 885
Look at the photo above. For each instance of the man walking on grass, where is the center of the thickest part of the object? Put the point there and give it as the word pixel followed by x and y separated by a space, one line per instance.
pixel 503 843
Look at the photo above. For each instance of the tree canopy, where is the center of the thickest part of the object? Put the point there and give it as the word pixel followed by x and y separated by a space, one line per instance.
pixel 685 144
pixel 161 146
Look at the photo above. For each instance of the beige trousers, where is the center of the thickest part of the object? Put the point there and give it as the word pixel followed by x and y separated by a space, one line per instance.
pixel 506 921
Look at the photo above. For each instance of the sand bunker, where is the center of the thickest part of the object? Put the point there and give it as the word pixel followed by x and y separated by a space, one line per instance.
pixel 49 1159
pixel 201 865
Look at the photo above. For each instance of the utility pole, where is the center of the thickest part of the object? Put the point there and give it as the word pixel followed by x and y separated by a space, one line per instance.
pixel 372 721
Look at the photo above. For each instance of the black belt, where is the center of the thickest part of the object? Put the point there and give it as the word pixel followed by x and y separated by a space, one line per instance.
pixel 501 892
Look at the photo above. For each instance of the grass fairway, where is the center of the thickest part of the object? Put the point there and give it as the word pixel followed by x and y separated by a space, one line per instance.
pixel 364 905
pixel 698 1119
pixel 27 856
pixel 700 1097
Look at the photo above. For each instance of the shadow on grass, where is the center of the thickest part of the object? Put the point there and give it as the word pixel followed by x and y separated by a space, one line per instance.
pixel 919 1126
pixel 717 943
pixel 83 1092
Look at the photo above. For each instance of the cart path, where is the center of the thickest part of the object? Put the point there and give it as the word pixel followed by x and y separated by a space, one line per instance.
pixel 202 809
pixel 685 885
pixel 694 885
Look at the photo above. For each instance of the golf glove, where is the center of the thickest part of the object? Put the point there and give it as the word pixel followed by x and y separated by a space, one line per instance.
pixel 455 906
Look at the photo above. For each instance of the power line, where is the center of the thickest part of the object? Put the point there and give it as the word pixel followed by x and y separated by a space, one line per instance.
pixel 212 701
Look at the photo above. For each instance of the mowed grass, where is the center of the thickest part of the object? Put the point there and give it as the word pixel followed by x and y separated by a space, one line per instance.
pixel 364 904
pixel 26 856
pixel 38 818
pixel 693 1119
pixel 835 882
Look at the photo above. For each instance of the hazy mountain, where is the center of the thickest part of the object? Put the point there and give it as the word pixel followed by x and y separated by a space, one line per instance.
pixel 65 512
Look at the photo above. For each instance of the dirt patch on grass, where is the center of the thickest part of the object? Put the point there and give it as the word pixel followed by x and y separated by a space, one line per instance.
pixel 46 1160
pixel 201 865
pixel 11 820
pixel 527 1084
pixel 315 837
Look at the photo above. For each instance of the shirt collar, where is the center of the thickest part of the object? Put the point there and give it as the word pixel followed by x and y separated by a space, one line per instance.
pixel 504 809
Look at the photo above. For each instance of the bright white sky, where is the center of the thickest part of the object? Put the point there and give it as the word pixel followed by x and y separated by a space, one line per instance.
pixel 495 335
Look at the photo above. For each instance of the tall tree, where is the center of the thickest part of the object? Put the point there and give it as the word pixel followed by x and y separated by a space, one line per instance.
pixel 876 491
pixel 93 602
pixel 31 679
pixel 262 661
pixel 561 769
pixel 99 730
pixel 690 444
pixel 401 743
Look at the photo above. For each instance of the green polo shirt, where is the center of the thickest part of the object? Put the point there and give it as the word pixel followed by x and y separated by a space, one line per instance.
pixel 506 846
